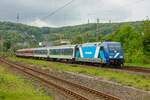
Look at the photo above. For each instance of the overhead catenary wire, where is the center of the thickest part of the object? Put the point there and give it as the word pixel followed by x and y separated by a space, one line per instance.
pixel 68 3
pixel 58 9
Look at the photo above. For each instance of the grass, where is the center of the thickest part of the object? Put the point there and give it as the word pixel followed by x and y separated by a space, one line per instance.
pixel 15 88
pixel 124 78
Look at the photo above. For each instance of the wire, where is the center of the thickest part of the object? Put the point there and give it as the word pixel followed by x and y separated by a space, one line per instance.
pixel 52 13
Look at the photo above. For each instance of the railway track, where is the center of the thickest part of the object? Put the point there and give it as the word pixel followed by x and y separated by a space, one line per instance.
pixel 71 89
pixel 136 69
pixel 124 68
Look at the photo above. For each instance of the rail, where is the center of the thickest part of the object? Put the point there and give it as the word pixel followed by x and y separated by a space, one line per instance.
pixel 44 76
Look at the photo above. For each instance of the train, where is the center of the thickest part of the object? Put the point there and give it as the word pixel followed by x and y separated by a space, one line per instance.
pixel 103 53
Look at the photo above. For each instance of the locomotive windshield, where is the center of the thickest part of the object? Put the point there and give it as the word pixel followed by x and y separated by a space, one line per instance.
pixel 115 51
pixel 114 48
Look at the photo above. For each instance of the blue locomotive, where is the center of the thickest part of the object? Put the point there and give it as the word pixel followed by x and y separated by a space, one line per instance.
pixel 108 53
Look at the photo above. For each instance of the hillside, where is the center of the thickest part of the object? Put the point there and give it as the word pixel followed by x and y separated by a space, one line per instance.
pixel 23 33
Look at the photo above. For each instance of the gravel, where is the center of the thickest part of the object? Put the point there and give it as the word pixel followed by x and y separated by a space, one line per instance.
pixel 124 92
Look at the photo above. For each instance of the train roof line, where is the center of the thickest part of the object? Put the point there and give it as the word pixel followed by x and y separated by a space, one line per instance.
pixel 63 46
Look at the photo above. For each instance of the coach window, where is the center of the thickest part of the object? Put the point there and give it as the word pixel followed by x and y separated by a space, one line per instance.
pixel 68 52
pixel 53 51
pixel 44 51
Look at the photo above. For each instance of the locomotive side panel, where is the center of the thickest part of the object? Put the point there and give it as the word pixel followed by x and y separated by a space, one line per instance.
pixel 88 53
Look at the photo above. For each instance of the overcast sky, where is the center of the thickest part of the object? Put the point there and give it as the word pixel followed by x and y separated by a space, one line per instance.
pixel 78 12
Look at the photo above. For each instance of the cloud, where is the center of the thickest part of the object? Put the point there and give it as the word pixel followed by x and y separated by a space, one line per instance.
pixel 76 13
pixel 40 23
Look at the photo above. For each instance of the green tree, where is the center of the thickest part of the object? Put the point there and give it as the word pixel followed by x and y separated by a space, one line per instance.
pixel 131 41
pixel 77 40
pixel 146 37
pixel 7 45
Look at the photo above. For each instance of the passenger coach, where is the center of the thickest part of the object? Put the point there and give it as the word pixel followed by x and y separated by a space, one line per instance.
pixel 64 52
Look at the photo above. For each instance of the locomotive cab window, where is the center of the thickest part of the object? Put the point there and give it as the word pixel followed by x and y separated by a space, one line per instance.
pixel 114 47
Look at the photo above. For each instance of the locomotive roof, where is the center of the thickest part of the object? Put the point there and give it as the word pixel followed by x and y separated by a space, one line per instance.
pixel 111 42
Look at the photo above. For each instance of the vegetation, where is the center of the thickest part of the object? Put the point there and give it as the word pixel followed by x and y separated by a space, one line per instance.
pixel 15 88
pixel 131 41
pixel 27 36
pixel 124 78
pixel 146 39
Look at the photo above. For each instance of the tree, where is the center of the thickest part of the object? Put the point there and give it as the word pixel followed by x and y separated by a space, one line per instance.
pixel 77 40
pixel 146 37
pixel 7 45
pixel 131 42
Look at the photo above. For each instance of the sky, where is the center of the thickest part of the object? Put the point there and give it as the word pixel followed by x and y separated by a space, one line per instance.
pixel 35 12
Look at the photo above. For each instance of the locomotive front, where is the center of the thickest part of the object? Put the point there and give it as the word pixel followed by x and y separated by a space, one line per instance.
pixel 115 53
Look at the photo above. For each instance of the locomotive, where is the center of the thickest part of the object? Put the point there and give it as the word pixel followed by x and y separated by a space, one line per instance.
pixel 106 53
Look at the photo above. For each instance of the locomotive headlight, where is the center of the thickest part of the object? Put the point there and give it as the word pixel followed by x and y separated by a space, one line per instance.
pixel 121 56
pixel 110 56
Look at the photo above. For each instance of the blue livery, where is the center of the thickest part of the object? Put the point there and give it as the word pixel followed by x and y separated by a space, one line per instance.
pixel 102 55
pixel 88 51
pixel 105 52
